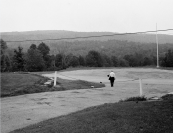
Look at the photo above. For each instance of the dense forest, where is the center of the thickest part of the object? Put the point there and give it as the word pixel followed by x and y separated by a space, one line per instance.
pixel 113 45
pixel 111 53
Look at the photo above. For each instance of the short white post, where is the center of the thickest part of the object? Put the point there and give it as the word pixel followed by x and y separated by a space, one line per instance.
pixel 55 78
pixel 140 84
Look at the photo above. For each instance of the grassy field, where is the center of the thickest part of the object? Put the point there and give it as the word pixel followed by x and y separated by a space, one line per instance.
pixel 122 117
pixel 13 84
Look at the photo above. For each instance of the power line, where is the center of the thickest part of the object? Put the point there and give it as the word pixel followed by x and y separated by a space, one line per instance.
pixel 93 36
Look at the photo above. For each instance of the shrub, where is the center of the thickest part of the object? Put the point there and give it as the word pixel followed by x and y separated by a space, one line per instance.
pixel 167 97
pixel 139 98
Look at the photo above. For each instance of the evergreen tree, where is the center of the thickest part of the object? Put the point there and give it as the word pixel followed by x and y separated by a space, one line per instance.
pixel 34 60
pixel 44 50
pixel 62 60
pixel 5 63
pixel 4 57
pixel 18 60
pixel 59 61
pixel 3 46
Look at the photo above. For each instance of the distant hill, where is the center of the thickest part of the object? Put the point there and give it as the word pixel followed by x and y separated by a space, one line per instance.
pixel 118 45
pixel 56 34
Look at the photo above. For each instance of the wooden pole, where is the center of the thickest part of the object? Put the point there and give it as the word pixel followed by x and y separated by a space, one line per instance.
pixel 55 78
pixel 140 84
pixel 157 48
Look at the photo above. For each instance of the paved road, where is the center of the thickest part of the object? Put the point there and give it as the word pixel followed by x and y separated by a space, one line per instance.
pixel 21 111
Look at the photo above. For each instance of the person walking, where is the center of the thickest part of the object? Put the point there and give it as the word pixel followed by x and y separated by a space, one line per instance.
pixel 112 78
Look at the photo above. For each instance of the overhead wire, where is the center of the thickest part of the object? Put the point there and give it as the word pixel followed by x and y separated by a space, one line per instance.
pixel 67 38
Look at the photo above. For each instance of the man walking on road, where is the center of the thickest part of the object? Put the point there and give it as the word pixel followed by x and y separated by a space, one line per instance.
pixel 112 78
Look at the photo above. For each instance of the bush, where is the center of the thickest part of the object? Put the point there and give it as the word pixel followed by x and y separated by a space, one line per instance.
pixel 139 98
pixel 167 97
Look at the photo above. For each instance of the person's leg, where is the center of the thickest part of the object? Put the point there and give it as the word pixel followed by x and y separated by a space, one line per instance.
pixel 112 84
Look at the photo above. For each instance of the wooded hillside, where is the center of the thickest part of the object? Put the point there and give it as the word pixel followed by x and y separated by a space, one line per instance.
pixel 55 34
pixel 115 45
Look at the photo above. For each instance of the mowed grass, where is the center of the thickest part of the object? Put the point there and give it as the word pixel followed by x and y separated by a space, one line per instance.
pixel 122 117
pixel 13 84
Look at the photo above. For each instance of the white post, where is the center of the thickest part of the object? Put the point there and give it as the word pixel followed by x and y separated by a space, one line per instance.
pixel 55 78
pixel 140 84
pixel 157 48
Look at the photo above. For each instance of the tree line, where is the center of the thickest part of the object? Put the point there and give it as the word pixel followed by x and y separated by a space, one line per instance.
pixel 38 58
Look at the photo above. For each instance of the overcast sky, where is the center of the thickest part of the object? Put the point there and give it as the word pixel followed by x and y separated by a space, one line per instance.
pixel 86 15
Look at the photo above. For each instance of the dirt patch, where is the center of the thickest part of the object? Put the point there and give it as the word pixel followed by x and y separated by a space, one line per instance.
pixel 107 94
pixel 59 97
pixel 38 99
pixel 75 92
pixel 47 103
pixel 81 97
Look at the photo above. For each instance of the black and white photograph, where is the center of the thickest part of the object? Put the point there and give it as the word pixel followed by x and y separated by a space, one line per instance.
pixel 86 66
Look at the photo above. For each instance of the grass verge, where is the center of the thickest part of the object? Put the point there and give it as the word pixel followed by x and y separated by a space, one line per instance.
pixel 13 84
pixel 122 117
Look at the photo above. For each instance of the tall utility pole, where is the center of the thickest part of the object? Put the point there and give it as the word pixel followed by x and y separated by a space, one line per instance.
pixel 157 48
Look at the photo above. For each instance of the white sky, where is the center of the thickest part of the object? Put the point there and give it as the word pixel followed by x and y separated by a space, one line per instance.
pixel 86 15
